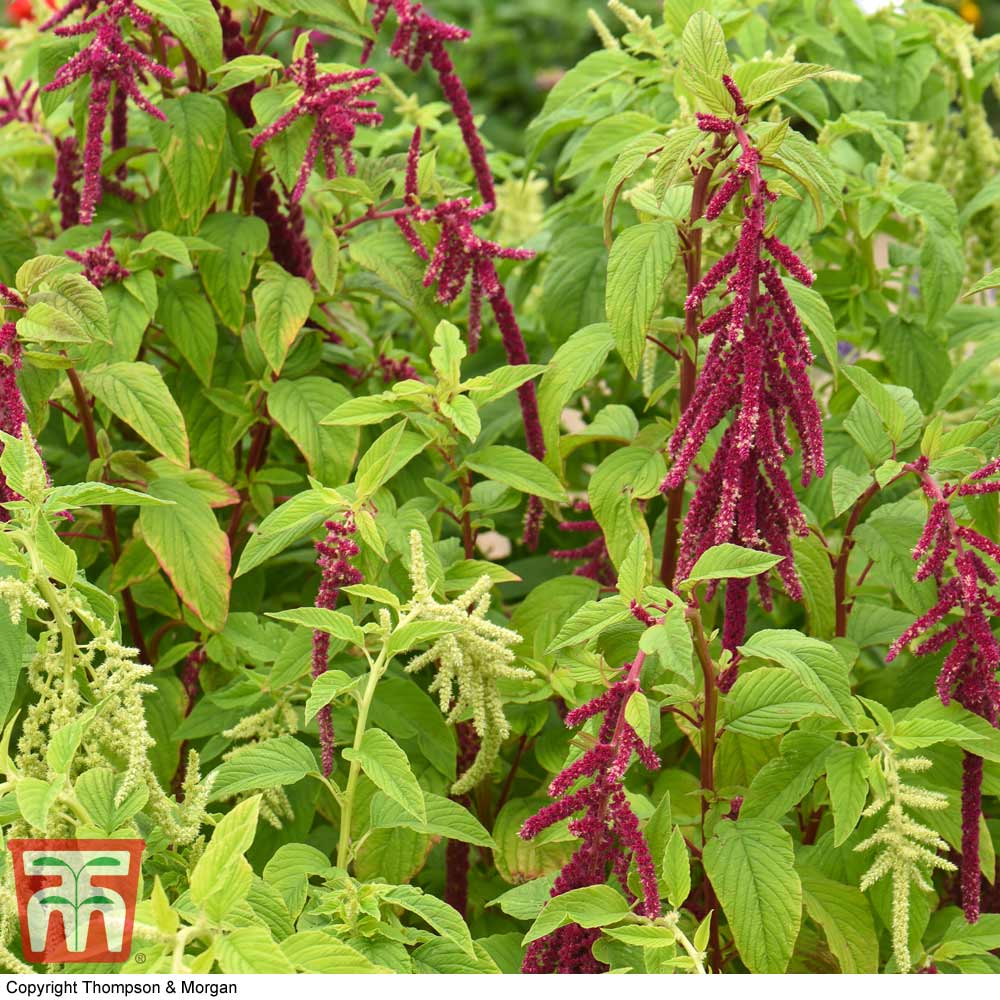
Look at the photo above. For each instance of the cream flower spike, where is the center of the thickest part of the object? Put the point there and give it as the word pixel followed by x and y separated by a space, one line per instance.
pixel 470 662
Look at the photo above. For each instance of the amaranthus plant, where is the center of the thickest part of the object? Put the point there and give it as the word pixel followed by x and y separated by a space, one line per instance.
pixel 505 488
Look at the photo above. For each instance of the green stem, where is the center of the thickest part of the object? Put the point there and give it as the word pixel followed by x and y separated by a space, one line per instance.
pixel 50 595
pixel 378 668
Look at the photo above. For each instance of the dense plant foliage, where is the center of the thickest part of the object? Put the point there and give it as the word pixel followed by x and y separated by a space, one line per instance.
pixel 578 558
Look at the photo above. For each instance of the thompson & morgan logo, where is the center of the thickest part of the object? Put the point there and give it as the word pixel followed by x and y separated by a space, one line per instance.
pixel 76 898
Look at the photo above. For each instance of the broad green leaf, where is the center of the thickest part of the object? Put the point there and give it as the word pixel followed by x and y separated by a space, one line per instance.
pixel 590 621
pixel 190 547
pixel 322 953
pixel 816 665
pixel 282 760
pixel 285 525
pixel 69 310
pixel 765 702
pixel 445 818
pixel 390 452
pixel 640 261
pixel 136 393
pixel 225 272
pixel 324 689
pixel 593 906
pixel 443 918
pixel 516 469
pixel 299 405
pixel 221 879
pixel 98 495
pixel 251 950
pixel 385 763
pixel 187 319
pixel 281 304
pixel 843 913
pixel 752 869
pixel 190 141
pixel 847 781
pixel 880 398
pixel 194 23
pixel 334 623
pixel 815 313
pixel 677 869
pixel 672 643
pixel 730 562
pixel 576 362
pixel 784 781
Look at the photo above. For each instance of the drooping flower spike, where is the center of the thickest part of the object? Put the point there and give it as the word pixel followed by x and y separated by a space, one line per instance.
pixel 111 63
pixel 20 104
pixel 419 36
pixel 756 370
pixel 460 256
pixel 609 830
pixel 100 265
pixel 336 109
pixel 334 553
pixel 968 673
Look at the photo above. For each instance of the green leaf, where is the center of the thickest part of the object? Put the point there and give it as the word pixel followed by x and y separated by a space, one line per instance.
pixel 190 547
pixel 222 878
pixel 279 761
pixel 69 309
pixel 244 69
pixel 413 634
pixel 784 781
pixel 767 701
pixel 190 141
pixel 677 869
pixel 573 290
pixel 136 393
pixel 446 920
pixel 445 818
pixel 225 270
pixel 593 906
pixel 816 665
pixel 752 869
pixel 193 22
pixel 516 469
pixel 382 760
pixel 322 953
pixel 285 525
pixel 886 406
pixel 637 715
pixel 640 262
pixel 731 562
pixel 98 495
pixel 705 60
pixel 942 270
pixel 325 689
pixel 991 280
pixel 812 564
pixel 36 797
pixel 447 353
pixel 590 621
pixel 816 315
pixel 251 950
pixel 187 319
pixel 576 362
pixel 847 781
pixel 389 453
pixel 843 913
pixel 846 488
pixel 281 303
pixel 334 623
pixel 672 643
pixel 299 405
